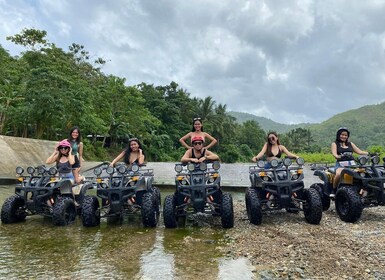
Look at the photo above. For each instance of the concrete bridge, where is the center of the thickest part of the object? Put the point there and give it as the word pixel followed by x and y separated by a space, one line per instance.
pixel 16 151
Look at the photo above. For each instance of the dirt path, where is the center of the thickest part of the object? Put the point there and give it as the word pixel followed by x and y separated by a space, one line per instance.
pixel 284 246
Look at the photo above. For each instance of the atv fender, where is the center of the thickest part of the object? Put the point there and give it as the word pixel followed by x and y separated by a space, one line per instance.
pixel 65 187
pixel 322 175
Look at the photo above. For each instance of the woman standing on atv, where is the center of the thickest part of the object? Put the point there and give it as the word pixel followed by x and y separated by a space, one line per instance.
pixel 343 150
pixel 197 130
pixel 64 160
pixel 132 155
pixel 77 150
pixel 272 149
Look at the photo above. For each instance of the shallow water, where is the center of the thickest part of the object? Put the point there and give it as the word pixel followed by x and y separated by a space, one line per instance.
pixel 39 250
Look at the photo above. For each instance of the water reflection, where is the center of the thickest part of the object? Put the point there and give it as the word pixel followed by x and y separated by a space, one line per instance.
pixel 39 250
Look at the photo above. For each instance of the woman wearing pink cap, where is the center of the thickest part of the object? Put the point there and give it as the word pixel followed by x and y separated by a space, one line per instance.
pixel 198 153
pixel 197 130
pixel 64 159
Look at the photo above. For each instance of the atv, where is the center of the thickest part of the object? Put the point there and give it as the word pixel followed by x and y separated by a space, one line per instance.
pixel 279 185
pixel 361 185
pixel 43 192
pixel 198 190
pixel 123 191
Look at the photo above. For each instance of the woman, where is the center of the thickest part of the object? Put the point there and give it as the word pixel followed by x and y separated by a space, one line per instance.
pixel 133 154
pixel 272 149
pixel 77 150
pixel 342 150
pixel 197 130
pixel 64 160
pixel 198 153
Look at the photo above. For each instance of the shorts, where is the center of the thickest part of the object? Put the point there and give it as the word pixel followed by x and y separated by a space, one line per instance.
pixel 67 176
pixel 77 162
pixel 345 163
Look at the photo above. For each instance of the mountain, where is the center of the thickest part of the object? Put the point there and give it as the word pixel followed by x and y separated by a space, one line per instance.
pixel 265 123
pixel 366 124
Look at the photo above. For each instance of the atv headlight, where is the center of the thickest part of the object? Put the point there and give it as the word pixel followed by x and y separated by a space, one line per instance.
pixel 52 171
pixel 110 170
pixel 135 167
pixel 375 159
pixel 30 170
pixel 362 160
pixel 211 180
pixel 274 163
pixel 191 167
pixel 184 182
pixel 265 178
pixel 261 164
pixel 98 171
pixel 287 161
pixel 202 166
pixel 216 165
pixel 19 170
pixel 300 161
pixel 122 169
pixel 41 169
pixel 178 167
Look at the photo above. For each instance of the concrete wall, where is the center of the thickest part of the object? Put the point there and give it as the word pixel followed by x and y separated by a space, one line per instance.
pixel 17 151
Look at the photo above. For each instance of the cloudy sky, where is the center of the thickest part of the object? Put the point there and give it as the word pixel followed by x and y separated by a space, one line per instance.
pixel 290 61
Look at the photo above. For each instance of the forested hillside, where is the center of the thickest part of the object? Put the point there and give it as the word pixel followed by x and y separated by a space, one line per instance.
pixel 46 90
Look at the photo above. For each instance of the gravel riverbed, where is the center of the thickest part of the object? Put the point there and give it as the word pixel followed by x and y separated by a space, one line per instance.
pixel 284 246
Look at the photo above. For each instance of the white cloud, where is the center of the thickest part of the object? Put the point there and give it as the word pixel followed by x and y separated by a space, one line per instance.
pixel 287 60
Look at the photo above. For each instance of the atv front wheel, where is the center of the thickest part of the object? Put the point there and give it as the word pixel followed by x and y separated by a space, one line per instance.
pixel 313 206
pixel 169 216
pixel 324 198
pixel 13 210
pixel 253 206
pixel 149 210
pixel 64 211
pixel 348 204
pixel 90 211
pixel 227 211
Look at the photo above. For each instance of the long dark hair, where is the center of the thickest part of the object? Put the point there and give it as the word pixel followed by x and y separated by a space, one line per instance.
pixel 268 151
pixel 79 139
pixel 338 135
pixel 129 150
pixel 193 123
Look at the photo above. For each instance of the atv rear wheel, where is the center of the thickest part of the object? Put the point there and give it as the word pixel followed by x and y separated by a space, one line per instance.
pixel 169 215
pixel 348 204
pixel 13 210
pixel 324 198
pixel 313 206
pixel 64 211
pixel 90 211
pixel 150 214
pixel 253 206
pixel 227 211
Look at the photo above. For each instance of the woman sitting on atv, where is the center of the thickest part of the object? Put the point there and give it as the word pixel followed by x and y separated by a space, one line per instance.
pixel 343 150
pixel 272 149
pixel 64 160
pixel 132 155
pixel 198 153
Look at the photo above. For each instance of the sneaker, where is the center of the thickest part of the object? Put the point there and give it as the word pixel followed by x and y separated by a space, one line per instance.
pixel 332 194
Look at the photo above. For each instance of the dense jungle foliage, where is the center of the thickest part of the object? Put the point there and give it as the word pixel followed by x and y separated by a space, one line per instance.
pixel 46 90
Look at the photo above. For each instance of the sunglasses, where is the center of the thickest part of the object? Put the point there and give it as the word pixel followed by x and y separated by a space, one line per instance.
pixel 63 148
pixel 197 143
pixel 133 139
pixel 272 138
pixel 197 119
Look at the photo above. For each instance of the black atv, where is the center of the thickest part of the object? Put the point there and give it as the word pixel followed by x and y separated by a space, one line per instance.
pixel 44 193
pixel 279 185
pixel 124 190
pixel 361 185
pixel 198 191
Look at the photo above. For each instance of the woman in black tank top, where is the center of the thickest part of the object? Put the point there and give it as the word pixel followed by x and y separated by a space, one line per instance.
pixel 342 150
pixel 272 149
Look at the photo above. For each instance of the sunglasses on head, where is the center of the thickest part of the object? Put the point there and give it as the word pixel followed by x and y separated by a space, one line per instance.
pixel 132 139
pixel 197 143
pixel 197 119
pixel 63 148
